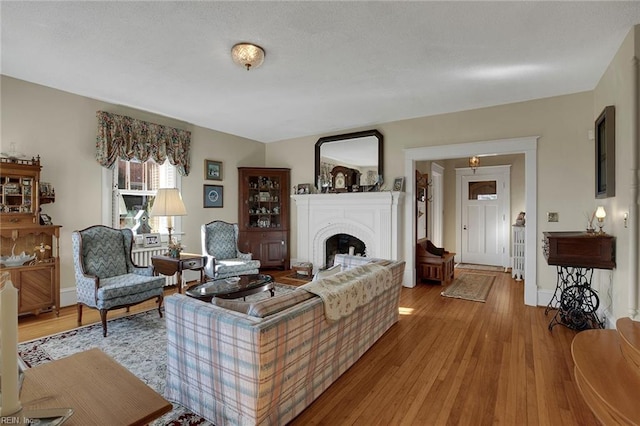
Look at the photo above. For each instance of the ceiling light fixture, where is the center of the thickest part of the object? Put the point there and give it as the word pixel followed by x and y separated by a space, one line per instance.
pixel 474 162
pixel 247 55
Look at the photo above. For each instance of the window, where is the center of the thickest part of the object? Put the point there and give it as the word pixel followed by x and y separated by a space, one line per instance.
pixel 134 188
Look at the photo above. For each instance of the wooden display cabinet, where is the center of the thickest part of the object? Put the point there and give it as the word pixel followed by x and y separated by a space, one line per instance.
pixel 263 215
pixel 38 279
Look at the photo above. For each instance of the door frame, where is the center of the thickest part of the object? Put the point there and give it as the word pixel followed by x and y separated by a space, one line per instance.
pixel 505 203
pixel 524 145
pixel 436 206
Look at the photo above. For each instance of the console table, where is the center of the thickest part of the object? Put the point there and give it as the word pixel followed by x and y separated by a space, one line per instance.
pixel 575 255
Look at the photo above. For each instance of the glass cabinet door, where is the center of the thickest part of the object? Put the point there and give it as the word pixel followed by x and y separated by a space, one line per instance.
pixel 264 202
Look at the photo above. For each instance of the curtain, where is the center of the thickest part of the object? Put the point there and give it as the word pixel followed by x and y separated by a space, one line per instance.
pixel 126 138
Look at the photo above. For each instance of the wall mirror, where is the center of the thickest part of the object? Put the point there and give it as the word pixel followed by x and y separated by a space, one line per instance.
pixel 360 152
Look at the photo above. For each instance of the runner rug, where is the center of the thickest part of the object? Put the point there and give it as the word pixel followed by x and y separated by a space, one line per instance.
pixel 138 342
pixel 469 286
pixel 480 267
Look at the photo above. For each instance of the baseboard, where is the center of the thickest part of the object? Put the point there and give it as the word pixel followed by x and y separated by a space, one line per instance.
pixel 68 296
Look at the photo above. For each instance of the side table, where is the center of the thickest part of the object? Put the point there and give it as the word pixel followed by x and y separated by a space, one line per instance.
pixel 167 265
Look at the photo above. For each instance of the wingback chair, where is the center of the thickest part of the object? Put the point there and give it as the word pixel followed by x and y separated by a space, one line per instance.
pixel 106 277
pixel 220 245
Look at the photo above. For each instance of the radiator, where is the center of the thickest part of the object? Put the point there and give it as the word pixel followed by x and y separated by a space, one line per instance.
pixel 517 268
pixel 142 257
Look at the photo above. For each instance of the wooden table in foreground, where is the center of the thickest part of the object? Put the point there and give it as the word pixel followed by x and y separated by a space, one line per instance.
pixel 98 389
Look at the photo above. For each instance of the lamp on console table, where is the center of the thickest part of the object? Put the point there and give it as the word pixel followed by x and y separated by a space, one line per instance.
pixel 600 215
pixel 168 202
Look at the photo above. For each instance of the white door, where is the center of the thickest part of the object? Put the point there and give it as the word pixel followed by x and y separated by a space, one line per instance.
pixel 484 200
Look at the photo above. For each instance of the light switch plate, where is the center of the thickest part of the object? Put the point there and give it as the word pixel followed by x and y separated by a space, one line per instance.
pixel 552 216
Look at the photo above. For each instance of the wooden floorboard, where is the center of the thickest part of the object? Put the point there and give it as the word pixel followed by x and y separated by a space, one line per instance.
pixel 446 362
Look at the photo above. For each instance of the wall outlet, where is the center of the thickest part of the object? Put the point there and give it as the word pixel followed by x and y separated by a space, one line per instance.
pixel 552 216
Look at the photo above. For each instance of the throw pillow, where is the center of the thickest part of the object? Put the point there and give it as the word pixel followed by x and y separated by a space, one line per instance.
pixel 327 272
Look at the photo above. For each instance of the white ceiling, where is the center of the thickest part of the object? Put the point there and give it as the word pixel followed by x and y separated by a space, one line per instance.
pixel 329 66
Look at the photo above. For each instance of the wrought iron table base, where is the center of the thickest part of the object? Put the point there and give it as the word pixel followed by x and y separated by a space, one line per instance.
pixel 574 300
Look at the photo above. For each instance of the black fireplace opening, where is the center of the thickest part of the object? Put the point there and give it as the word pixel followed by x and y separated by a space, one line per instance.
pixel 343 244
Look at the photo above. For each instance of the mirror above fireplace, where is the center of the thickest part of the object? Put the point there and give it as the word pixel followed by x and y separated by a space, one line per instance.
pixel 360 152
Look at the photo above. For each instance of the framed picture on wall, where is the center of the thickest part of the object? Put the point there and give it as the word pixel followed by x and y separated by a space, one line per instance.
pixel 212 170
pixel 212 196
pixel 605 133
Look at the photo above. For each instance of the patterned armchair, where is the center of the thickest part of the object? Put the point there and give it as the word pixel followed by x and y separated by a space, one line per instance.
pixel 106 277
pixel 220 245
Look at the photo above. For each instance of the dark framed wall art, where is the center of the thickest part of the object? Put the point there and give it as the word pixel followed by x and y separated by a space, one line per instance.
pixel 212 170
pixel 213 196
pixel 605 133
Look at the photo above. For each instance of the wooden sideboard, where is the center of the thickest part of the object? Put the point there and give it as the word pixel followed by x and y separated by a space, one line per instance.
pixel 580 249
pixel 575 255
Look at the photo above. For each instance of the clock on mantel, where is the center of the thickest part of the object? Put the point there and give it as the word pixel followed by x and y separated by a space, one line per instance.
pixel 343 178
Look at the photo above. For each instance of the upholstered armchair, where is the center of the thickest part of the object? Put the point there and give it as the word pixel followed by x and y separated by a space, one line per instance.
pixel 106 277
pixel 220 245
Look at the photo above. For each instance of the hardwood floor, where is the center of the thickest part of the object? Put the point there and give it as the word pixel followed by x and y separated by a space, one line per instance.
pixel 447 361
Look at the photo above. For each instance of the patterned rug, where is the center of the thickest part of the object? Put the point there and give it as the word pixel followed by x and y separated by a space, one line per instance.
pixel 138 342
pixel 468 286
pixel 480 267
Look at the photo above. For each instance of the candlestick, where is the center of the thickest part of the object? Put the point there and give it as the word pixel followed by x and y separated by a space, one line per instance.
pixel 9 402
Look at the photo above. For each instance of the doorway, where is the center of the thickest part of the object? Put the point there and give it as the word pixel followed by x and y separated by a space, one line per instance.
pixel 526 146
pixel 484 197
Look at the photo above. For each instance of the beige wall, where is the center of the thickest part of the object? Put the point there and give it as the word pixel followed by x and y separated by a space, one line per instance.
pixel 61 128
pixel 614 88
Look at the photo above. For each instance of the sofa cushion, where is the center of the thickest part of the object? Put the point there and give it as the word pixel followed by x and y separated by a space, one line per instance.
pixel 265 307
pixel 237 305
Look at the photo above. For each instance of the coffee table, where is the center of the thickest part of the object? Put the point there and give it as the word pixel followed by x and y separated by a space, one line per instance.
pixel 233 288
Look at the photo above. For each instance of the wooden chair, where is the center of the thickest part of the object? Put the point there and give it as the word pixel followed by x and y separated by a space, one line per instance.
pixel 433 263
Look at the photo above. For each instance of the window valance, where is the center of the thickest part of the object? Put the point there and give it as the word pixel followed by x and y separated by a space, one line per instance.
pixel 128 138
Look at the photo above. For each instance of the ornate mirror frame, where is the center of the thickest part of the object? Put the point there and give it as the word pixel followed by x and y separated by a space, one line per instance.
pixel 354 137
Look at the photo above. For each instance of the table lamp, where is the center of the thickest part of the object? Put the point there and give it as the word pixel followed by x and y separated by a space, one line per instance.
pixel 600 215
pixel 168 202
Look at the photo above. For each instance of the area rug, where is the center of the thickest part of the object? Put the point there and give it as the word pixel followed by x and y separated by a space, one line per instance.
pixel 468 286
pixel 138 342
pixel 479 267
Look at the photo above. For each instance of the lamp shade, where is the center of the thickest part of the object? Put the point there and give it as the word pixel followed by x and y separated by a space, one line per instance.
pixel 601 213
pixel 168 202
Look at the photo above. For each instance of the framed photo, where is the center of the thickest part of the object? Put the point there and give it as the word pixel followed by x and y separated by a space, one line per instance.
pixel 151 240
pixel 304 188
pixel 398 184
pixel 212 196
pixel 605 133
pixel 212 170
pixel 45 219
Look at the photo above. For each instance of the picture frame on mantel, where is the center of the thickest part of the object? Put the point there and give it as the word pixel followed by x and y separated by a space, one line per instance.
pixel 605 135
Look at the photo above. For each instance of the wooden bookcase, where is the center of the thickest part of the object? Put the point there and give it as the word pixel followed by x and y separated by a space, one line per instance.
pixel 38 280
pixel 263 214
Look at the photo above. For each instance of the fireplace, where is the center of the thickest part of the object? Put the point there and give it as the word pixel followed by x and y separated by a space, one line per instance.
pixel 370 217
pixel 343 243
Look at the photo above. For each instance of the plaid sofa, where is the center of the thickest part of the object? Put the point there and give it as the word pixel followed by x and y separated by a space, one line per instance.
pixel 234 368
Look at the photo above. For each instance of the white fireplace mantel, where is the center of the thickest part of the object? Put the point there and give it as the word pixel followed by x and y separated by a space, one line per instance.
pixel 373 217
